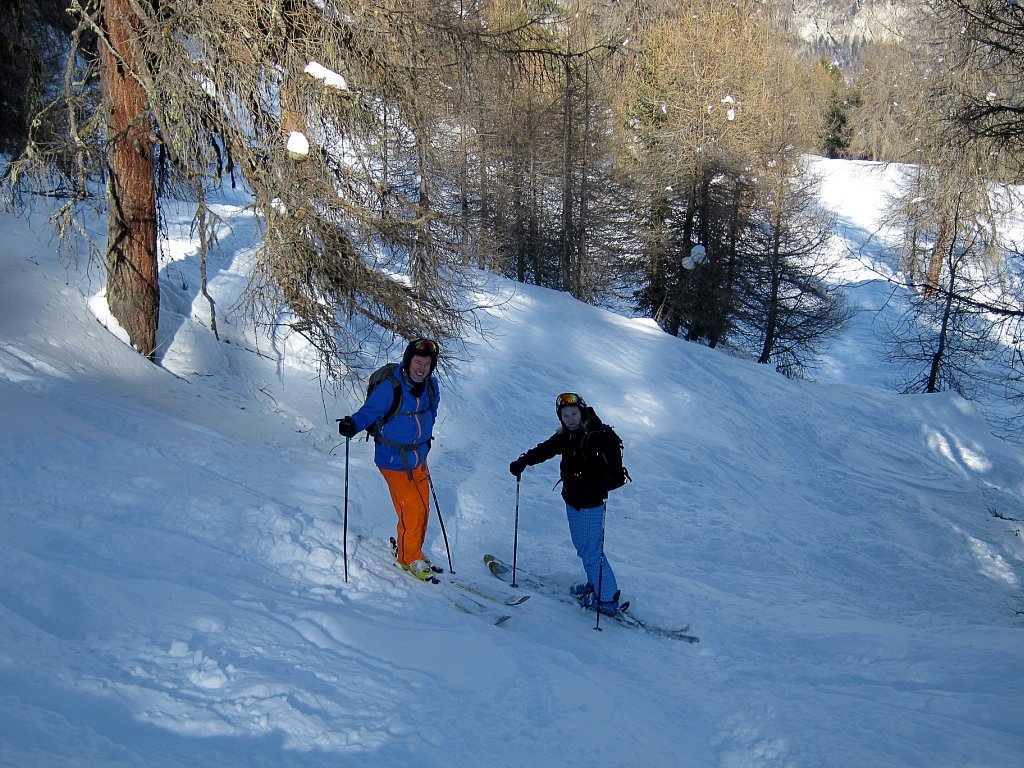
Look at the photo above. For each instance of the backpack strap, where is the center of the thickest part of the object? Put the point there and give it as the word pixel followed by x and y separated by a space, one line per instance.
pixel 396 400
pixel 396 403
pixel 393 411
pixel 403 450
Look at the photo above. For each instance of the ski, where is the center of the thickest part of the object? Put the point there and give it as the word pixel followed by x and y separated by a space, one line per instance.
pixel 509 600
pixel 474 608
pixel 503 571
pixel 461 602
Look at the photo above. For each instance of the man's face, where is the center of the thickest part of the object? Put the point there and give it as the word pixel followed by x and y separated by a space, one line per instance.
pixel 571 416
pixel 419 367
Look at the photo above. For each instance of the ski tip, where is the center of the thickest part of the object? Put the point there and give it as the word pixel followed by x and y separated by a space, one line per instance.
pixel 501 620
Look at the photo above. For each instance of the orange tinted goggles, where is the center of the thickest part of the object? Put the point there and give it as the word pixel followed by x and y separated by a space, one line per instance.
pixel 567 398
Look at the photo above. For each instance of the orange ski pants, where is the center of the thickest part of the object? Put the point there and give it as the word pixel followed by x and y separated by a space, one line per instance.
pixel 411 497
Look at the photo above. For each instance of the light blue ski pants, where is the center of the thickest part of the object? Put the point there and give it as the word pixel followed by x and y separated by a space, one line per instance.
pixel 585 526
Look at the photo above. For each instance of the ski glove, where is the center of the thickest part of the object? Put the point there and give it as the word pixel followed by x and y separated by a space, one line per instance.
pixel 517 467
pixel 347 427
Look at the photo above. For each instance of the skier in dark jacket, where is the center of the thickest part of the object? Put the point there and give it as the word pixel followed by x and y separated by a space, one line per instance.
pixel 582 441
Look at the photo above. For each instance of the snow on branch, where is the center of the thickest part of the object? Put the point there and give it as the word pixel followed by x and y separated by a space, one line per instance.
pixel 329 78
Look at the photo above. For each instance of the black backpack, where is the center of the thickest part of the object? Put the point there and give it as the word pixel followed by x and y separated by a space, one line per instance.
pixel 609 455
pixel 384 373
pixel 381 375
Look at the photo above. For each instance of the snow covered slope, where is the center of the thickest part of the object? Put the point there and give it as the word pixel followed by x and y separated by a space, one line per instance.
pixel 171 573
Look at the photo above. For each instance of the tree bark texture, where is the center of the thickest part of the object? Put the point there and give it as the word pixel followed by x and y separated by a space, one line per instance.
pixel 133 290
pixel 567 158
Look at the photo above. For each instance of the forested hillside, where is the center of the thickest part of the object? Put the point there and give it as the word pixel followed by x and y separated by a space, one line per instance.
pixel 648 156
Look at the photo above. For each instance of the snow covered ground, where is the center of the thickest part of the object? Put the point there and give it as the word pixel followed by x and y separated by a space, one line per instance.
pixel 172 586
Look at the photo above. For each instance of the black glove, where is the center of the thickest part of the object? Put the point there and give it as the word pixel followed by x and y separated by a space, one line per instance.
pixel 347 427
pixel 517 467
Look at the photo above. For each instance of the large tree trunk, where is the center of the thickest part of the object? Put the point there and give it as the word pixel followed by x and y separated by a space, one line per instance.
pixel 771 326
pixel 939 356
pixel 942 244
pixel 567 222
pixel 584 289
pixel 133 290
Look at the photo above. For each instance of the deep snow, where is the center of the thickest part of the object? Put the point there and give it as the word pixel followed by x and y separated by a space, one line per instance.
pixel 172 589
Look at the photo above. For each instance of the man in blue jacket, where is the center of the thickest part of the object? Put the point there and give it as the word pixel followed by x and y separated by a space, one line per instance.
pixel 411 394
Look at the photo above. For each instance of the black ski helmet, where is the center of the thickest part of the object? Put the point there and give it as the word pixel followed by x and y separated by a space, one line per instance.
pixel 569 398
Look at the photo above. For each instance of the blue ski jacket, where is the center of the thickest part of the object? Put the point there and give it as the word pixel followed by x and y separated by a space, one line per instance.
pixel 403 442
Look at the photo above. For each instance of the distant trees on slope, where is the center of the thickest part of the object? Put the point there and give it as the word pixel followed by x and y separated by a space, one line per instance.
pixel 944 95
pixel 960 108
pixel 646 152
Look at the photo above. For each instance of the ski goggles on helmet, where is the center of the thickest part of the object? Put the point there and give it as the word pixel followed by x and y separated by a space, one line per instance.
pixel 568 398
pixel 426 346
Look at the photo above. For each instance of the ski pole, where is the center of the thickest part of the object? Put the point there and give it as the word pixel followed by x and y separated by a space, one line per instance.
pixel 600 569
pixel 344 536
pixel 444 533
pixel 515 536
